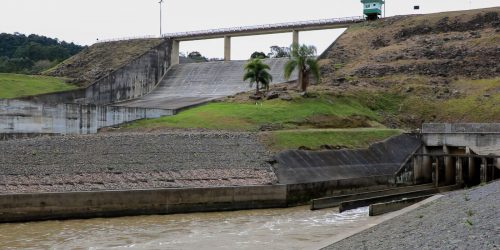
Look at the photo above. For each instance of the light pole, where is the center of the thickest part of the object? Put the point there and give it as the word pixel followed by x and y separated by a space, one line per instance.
pixel 161 2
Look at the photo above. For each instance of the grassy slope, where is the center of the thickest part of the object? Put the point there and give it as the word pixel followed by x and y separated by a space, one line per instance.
pixel 411 98
pixel 294 130
pixel 478 101
pixel 14 85
pixel 315 138
pixel 99 59
pixel 250 117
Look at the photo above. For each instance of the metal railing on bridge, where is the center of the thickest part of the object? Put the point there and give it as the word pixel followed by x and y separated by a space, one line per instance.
pixel 269 27
pixel 277 26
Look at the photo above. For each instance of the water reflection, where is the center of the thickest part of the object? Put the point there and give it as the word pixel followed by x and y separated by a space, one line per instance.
pixel 291 228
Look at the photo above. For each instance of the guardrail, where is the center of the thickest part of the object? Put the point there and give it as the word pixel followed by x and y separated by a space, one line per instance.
pixel 290 25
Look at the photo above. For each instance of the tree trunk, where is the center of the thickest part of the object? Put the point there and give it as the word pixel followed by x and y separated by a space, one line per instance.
pixel 257 88
pixel 301 79
pixel 305 81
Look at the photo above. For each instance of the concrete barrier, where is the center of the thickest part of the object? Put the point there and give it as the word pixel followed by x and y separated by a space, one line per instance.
pixel 461 134
pixel 353 204
pixel 75 205
pixel 387 207
pixel 135 79
pixel 335 201
pixel 22 117
pixel 382 158
pixel 303 193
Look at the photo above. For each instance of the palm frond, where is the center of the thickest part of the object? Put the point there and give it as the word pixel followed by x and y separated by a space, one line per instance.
pixel 289 68
pixel 314 68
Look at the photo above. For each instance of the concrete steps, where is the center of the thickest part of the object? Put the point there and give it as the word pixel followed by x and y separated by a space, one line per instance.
pixel 194 83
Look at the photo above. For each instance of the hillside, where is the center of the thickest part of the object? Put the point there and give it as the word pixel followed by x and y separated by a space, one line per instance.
pixel 33 53
pixel 413 69
pixel 100 59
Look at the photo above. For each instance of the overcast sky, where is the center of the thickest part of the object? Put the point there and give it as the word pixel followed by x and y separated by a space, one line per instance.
pixel 83 21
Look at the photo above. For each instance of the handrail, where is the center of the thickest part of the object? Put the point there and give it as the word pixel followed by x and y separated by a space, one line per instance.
pixel 287 25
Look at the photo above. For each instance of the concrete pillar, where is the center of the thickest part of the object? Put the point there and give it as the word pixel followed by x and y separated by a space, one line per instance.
pixel 417 169
pixel 471 171
pixel 436 172
pixel 459 178
pixel 227 48
pixel 174 56
pixel 295 39
pixel 449 168
pixel 483 171
pixel 426 166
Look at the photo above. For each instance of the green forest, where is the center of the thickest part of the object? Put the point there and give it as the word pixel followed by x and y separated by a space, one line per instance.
pixel 32 54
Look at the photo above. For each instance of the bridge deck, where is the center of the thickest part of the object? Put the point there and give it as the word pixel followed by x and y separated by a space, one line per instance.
pixel 267 29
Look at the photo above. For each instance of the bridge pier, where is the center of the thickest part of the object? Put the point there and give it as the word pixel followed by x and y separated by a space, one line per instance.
pixel 227 48
pixel 449 167
pixel 295 39
pixel 426 166
pixel 484 170
pixel 174 56
pixel 459 177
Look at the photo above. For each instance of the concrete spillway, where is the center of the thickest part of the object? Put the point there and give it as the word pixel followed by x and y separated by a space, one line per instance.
pixel 383 158
pixel 194 83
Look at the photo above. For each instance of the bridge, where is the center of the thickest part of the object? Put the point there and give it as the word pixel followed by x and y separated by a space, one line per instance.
pixel 227 33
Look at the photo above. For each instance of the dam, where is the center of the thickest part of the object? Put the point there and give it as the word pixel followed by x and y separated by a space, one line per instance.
pixel 193 188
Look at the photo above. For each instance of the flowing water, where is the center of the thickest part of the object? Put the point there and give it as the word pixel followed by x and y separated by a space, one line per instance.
pixel 291 228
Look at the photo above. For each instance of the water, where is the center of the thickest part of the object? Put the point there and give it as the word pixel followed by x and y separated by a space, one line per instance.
pixel 291 228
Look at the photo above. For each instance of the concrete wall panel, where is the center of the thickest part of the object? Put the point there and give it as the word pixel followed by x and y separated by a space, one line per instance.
pixel 28 117
pixel 133 80
pixel 26 207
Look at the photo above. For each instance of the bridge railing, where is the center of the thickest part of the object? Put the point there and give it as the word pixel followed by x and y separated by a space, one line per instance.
pixel 298 24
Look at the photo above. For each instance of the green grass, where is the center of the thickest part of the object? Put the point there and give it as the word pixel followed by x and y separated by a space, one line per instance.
pixel 314 139
pixel 471 106
pixel 249 117
pixel 14 85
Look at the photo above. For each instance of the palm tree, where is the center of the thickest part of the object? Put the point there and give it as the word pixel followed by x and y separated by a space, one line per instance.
pixel 304 59
pixel 257 72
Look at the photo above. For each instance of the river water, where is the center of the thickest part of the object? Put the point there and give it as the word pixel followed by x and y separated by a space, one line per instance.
pixel 290 228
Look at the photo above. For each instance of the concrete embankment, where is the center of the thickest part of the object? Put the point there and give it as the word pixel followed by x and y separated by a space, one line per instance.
pixel 194 83
pixel 44 206
pixel 17 117
pixel 465 219
pixel 84 111
pixel 54 170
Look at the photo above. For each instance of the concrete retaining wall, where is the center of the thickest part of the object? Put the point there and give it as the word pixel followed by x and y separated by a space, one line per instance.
pixel 29 207
pixel 477 135
pixel 70 96
pixel 387 207
pixel 133 80
pixel 18 117
pixel 75 205
pixel 460 128
pixel 380 159
pixel 304 192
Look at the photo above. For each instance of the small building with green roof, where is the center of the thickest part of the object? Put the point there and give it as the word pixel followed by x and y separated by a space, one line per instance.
pixel 372 8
